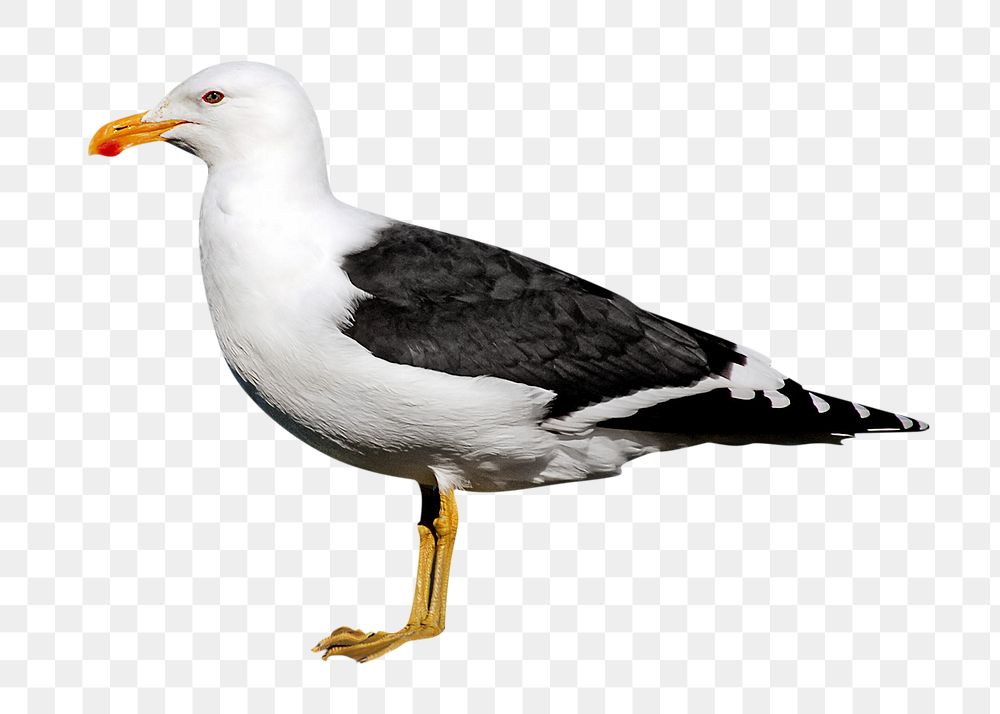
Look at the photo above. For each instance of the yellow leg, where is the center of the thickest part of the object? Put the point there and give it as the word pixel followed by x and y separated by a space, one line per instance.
pixel 437 528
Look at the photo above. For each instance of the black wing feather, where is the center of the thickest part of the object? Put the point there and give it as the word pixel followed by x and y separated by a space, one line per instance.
pixel 717 417
pixel 455 305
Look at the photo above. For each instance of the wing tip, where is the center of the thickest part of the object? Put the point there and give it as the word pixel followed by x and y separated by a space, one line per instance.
pixel 920 425
pixel 905 425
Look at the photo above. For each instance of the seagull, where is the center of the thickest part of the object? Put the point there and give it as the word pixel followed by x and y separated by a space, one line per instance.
pixel 410 352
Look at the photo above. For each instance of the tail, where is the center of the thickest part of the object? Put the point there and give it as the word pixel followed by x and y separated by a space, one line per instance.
pixel 789 415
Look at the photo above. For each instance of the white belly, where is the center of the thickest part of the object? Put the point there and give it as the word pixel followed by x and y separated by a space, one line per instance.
pixel 277 307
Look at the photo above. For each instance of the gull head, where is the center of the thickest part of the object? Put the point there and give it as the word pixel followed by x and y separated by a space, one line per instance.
pixel 233 113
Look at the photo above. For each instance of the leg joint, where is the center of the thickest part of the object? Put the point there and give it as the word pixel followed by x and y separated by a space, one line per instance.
pixel 430 506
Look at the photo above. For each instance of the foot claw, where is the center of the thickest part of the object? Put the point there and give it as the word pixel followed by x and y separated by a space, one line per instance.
pixel 341 638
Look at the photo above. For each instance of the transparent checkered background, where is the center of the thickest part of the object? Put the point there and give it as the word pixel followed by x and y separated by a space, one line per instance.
pixel 815 183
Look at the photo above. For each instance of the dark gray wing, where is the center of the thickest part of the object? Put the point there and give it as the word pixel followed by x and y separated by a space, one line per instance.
pixel 455 305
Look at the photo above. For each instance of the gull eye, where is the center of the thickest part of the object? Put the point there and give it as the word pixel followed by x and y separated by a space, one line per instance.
pixel 212 96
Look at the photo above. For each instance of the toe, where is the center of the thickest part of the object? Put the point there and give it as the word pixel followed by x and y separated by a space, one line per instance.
pixel 342 637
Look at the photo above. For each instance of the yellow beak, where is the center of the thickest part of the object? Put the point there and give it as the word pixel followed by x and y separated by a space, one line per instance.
pixel 116 136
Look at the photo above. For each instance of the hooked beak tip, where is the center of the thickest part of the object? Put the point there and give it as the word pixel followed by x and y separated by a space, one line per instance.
pixel 116 136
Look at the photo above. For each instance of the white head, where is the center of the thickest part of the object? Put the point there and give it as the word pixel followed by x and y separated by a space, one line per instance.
pixel 242 114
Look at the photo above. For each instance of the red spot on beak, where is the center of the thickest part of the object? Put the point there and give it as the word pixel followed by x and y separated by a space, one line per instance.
pixel 109 148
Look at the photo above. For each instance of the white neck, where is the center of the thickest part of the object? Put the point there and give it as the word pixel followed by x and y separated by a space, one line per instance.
pixel 288 179
pixel 284 162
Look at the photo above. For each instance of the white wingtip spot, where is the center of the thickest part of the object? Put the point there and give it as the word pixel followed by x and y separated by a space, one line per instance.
pixel 778 400
pixel 741 393
pixel 821 404
pixel 862 411
pixel 905 421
